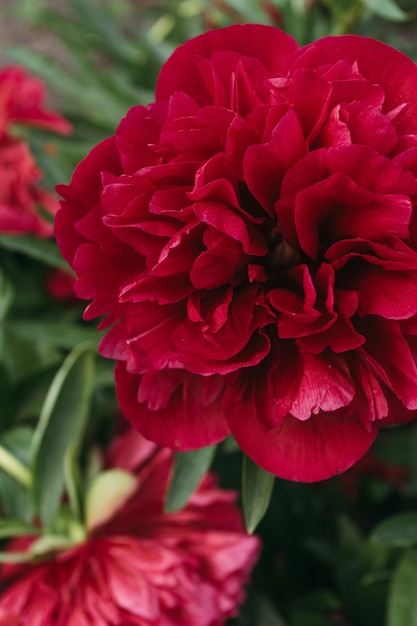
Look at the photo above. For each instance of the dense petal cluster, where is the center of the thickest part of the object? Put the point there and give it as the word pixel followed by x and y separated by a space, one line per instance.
pixel 251 237
pixel 22 102
pixel 141 567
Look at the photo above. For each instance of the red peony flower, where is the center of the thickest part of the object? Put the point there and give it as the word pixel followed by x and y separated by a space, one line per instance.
pixel 59 285
pixel 22 102
pixel 139 566
pixel 20 193
pixel 252 238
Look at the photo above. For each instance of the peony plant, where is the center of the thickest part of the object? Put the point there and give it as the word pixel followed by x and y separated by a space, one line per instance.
pixel 248 241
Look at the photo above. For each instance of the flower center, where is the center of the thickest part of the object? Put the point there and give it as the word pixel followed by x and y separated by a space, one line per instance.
pixel 280 254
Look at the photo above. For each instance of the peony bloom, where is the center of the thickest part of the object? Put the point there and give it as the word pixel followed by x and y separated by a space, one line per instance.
pixel 139 566
pixel 22 102
pixel 252 238
pixel 59 285
pixel 20 193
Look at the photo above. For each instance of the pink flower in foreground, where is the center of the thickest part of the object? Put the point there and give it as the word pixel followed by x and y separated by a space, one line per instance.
pixel 252 238
pixel 22 102
pixel 140 566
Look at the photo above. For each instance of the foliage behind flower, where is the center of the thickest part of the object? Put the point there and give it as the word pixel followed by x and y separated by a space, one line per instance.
pixel 247 232
pixel 22 103
pixel 140 566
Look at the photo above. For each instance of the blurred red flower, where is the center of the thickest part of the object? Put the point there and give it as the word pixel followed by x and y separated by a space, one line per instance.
pixel 22 102
pixel 59 284
pixel 140 566
pixel 252 238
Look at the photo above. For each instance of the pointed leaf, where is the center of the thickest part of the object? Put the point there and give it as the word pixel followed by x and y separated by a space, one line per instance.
pixel 14 497
pixel 72 477
pixel 61 334
pixel 189 469
pixel 229 445
pixel 13 467
pixel 23 357
pixel 93 14
pixel 397 531
pixel 63 416
pixel 402 599
pixel 6 295
pixel 42 250
pixel 98 105
pixel 49 544
pixel 15 557
pixel 387 9
pixel 257 486
pixel 16 528
pixel 251 11
pixel 108 492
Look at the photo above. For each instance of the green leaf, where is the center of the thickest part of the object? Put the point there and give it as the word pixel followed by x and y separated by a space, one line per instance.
pixel 309 619
pixel 23 357
pixel 62 420
pixel 257 486
pixel 93 14
pixel 107 493
pixel 72 477
pixel 13 467
pixel 48 544
pixel 43 250
pixel 402 599
pixel 266 614
pixel 97 105
pixel 15 557
pixel 313 609
pixel 387 9
pixel 189 469
pixel 14 497
pixel 229 445
pixel 6 295
pixel 16 528
pixel 61 334
pixel 351 540
pixel 397 531
pixel 8 398
pixel 250 11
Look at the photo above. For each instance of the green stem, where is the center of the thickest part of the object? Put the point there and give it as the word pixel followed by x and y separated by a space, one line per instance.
pixel 12 466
